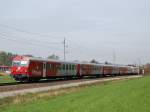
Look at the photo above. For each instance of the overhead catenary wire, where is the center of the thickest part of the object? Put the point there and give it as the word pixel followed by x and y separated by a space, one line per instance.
pixel 23 42
pixel 28 32
pixel 32 40
pixel 82 50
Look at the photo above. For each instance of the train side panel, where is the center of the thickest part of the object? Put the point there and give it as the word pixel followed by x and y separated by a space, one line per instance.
pixel 91 70
pixel 35 69
pixel 136 70
pixel 52 69
pixel 115 70
pixel 123 70
pixel 67 69
pixel 107 70
pixel 86 69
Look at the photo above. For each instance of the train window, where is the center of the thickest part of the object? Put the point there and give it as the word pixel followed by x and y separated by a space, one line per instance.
pixel 100 68
pixel 54 67
pixel 48 66
pixel 63 66
pixel 81 66
pixel 66 67
pixel 59 67
pixel 70 67
pixel 73 67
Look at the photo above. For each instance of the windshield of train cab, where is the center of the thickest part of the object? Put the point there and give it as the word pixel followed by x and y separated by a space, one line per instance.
pixel 20 63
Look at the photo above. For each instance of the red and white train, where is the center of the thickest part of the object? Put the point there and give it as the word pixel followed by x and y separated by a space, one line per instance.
pixel 30 69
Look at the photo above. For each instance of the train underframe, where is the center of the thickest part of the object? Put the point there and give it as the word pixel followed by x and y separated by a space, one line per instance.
pixel 27 78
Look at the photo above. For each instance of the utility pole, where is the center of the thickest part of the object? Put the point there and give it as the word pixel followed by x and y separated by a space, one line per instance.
pixel 139 61
pixel 114 57
pixel 64 48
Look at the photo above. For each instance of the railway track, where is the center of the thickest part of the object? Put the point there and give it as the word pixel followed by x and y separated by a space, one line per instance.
pixel 43 83
pixel 22 88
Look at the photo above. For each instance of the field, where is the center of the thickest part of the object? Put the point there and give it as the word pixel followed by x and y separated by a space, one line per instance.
pixel 5 78
pixel 116 96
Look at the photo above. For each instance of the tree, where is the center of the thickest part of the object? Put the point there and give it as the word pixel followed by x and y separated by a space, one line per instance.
pixel 53 56
pixel 6 58
pixel 94 61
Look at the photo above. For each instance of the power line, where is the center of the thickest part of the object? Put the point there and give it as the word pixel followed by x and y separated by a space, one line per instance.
pixel 22 41
pixel 114 57
pixel 82 50
pixel 32 40
pixel 25 31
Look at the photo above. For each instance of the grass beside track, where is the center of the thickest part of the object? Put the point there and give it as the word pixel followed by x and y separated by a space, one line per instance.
pixel 116 96
pixel 5 78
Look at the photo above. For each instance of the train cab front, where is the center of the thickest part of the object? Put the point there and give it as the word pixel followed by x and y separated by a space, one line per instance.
pixel 19 70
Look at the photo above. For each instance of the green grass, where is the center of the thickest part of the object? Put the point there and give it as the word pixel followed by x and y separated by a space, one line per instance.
pixel 117 96
pixel 6 79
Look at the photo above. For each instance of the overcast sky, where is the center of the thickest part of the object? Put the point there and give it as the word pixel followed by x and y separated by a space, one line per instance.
pixel 99 29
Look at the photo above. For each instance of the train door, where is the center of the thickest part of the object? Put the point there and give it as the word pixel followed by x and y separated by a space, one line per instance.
pixel 67 69
pixel 72 69
pixel 44 69
pixel 78 70
pixel 63 70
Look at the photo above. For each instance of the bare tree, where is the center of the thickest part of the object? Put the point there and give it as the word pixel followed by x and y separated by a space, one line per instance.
pixel 53 56
pixel 94 61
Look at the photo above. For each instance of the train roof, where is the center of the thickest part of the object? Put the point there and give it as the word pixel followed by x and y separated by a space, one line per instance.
pixel 63 61
pixel 72 62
